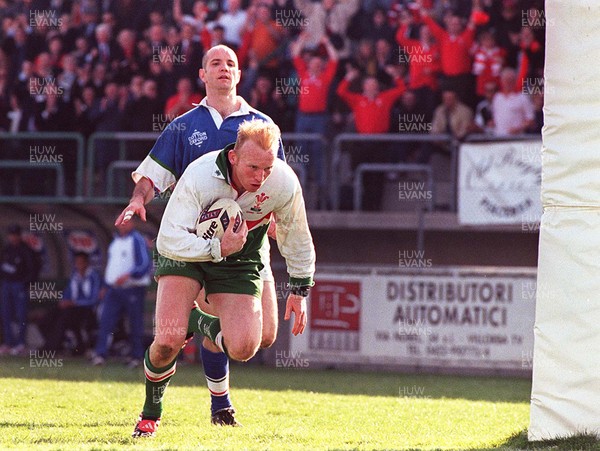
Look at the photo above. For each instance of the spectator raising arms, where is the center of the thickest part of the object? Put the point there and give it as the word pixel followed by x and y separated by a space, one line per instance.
pixel 315 79
pixel 328 17
pixel 423 58
pixel 371 110
pixel 372 107
pixel 455 45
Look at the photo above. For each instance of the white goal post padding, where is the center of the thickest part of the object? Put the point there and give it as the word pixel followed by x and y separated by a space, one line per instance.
pixel 565 397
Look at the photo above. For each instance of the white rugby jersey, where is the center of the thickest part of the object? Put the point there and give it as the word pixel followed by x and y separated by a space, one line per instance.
pixel 207 179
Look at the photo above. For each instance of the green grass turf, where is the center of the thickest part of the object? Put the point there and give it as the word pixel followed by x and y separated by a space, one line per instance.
pixel 78 406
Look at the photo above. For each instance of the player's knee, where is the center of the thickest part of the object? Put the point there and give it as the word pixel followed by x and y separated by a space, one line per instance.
pixel 242 351
pixel 269 320
pixel 167 347
pixel 268 338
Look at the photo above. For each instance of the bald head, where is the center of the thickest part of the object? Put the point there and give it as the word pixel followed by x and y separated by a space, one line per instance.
pixel 219 50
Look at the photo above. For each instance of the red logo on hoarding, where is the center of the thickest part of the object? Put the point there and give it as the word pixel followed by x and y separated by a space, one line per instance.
pixel 35 242
pixel 335 305
pixel 82 241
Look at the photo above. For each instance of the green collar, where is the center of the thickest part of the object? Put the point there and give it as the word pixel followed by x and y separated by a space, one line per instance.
pixel 223 169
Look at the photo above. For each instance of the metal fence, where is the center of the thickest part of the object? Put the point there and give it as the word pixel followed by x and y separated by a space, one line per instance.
pixel 116 181
pixel 57 169
pixel 41 152
pixel 343 138
pixel 300 160
pixel 80 177
pixel 101 188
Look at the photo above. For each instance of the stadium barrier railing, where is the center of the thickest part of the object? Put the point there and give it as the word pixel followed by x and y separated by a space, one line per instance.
pixel 398 168
pixel 122 138
pixel 43 155
pixel 300 165
pixel 485 137
pixel 20 164
pixel 114 189
pixel 85 164
pixel 300 162
pixel 343 138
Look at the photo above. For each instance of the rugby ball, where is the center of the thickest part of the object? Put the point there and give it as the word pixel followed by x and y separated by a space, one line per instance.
pixel 214 220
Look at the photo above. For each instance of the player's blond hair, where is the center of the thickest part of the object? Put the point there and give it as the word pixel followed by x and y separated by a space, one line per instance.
pixel 265 134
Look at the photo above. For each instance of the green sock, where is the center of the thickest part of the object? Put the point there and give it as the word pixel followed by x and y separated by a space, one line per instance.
pixel 157 380
pixel 205 324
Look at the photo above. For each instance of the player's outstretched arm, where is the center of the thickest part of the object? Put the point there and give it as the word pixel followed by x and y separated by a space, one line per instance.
pixel 296 304
pixel 143 193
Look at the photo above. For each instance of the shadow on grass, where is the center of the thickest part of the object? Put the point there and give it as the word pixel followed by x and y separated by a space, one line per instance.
pixel 413 386
pixel 518 441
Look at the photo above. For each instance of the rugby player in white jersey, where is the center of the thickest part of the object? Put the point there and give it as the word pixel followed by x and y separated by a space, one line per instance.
pixel 228 268
pixel 210 126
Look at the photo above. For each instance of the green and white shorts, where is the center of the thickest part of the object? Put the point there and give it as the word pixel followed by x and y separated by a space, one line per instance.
pixel 227 276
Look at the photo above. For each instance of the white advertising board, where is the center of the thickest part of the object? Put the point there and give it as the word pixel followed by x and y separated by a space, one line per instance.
pixel 459 317
pixel 499 183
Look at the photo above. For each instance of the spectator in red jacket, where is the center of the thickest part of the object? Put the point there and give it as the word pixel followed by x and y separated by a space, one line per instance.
pixel 264 97
pixel 372 110
pixel 423 58
pixel 315 77
pixel 183 100
pixel 530 68
pixel 422 55
pixel 372 107
pixel 261 35
pixel 488 60
pixel 455 58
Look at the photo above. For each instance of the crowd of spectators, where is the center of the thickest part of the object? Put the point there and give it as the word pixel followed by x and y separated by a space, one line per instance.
pixel 131 65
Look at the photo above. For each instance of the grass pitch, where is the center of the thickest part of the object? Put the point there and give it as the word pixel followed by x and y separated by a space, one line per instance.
pixel 77 406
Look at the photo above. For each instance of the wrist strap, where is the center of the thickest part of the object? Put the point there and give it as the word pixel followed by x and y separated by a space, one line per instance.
pixel 300 291
pixel 215 250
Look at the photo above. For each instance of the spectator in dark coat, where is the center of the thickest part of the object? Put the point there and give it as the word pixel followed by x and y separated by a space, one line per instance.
pixel 16 271
pixel 76 310
pixel 108 117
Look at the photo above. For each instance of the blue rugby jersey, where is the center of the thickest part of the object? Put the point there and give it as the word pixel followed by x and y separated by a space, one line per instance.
pixel 189 136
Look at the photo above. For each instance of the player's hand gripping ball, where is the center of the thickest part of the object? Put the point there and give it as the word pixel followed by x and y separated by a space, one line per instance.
pixel 213 220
